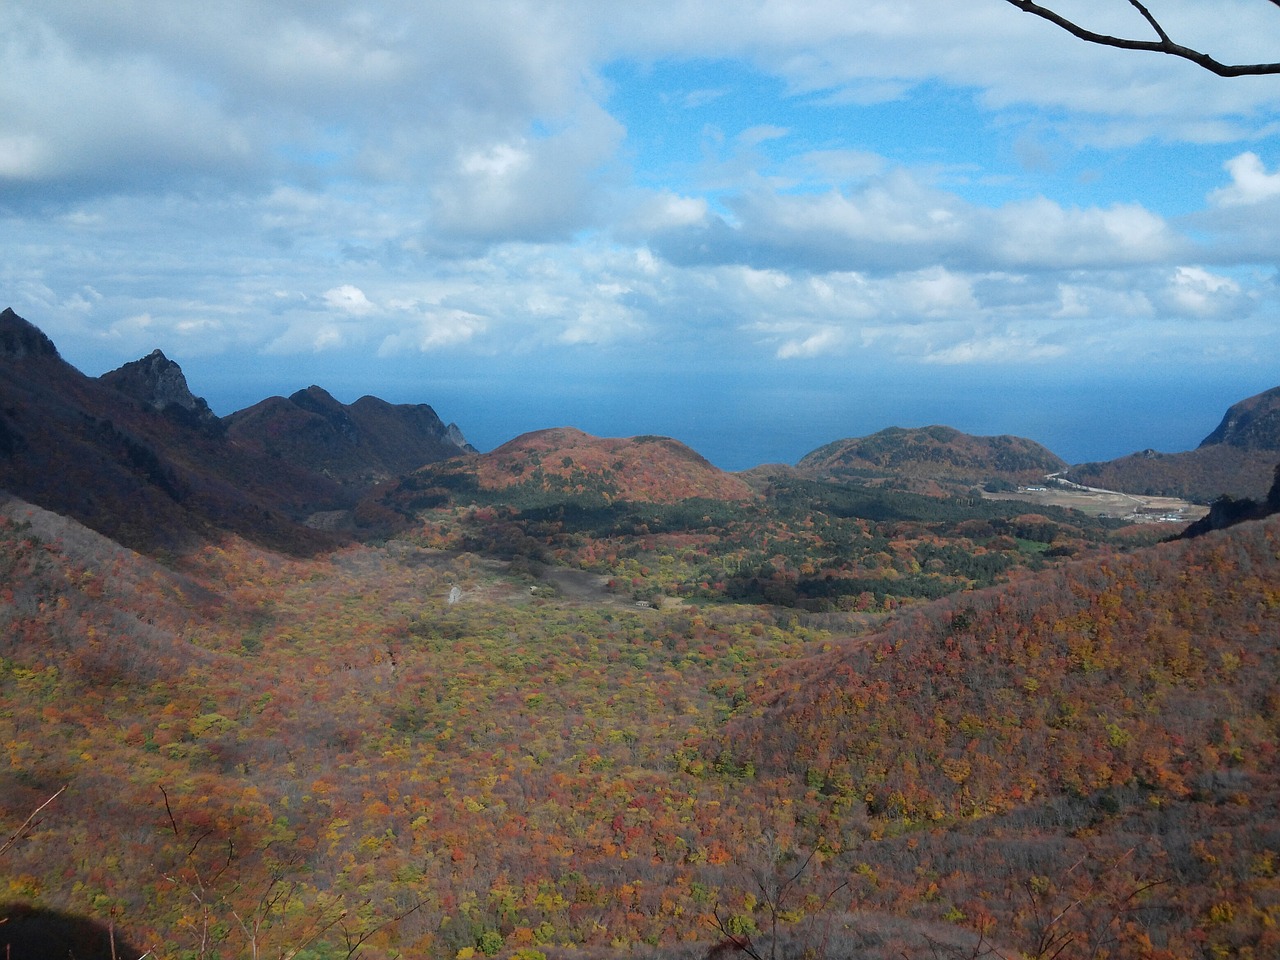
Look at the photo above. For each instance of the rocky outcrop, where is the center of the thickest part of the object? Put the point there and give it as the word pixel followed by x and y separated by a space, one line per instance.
pixel 158 382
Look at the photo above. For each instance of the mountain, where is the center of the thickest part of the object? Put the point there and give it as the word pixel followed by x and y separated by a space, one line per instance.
pixel 932 454
pixel 567 461
pixel 741 713
pixel 135 455
pixel 1201 475
pixel 358 445
pixel 160 384
pixel 1236 460
pixel 1252 424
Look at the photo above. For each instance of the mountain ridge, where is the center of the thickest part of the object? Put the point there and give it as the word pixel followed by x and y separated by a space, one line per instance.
pixel 288 459
pixel 358 444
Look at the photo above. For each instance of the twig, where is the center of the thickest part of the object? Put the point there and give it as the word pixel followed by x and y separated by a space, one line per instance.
pixel 18 834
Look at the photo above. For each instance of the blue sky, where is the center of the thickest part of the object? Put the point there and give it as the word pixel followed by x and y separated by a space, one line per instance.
pixel 755 226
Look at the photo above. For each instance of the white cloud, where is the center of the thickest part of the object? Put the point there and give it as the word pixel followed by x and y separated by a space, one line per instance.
pixel 436 329
pixel 601 319
pixel 934 292
pixel 455 178
pixel 998 348
pixel 667 210
pixel 896 222
pixel 349 299
pixel 23 156
pixel 527 188
pixel 1195 292
pixel 1250 182
pixel 817 343
pixel 1041 233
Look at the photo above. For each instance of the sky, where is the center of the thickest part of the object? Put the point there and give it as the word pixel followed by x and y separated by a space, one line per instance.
pixel 756 226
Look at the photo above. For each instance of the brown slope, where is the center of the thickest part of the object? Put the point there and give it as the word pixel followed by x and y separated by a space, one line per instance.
pixel 144 477
pixel 358 445
pixel 1077 680
pixel 642 469
pixel 1088 736
pixel 932 453
pixel 1201 475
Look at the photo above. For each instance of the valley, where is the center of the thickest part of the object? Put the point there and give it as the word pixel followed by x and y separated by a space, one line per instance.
pixel 592 698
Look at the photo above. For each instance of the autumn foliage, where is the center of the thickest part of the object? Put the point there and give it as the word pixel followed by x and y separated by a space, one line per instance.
pixel 469 742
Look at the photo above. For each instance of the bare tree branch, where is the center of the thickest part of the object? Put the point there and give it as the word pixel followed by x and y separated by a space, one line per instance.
pixel 29 822
pixel 1164 44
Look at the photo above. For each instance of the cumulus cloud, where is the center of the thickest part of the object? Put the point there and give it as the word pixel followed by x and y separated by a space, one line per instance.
pixel 408 179
pixel 526 188
pixel 435 329
pixel 1043 234
pixel 897 222
pixel 1250 182
pixel 1196 292
pixel 349 299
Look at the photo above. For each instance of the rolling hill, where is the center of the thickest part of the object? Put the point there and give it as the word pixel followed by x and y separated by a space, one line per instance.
pixel 564 460
pixel 935 454
pixel 1112 728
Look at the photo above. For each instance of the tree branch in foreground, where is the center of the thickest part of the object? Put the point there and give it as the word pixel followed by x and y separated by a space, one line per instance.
pixel 1164 44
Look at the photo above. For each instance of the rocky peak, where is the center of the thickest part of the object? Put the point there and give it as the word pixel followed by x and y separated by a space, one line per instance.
pixel 20 339
pixel 158 382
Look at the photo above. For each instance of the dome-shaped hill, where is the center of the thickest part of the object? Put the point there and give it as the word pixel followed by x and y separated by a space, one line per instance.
pixel 563 459
pixel 933 453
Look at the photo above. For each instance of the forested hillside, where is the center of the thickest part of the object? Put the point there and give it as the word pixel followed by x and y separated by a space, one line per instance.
pixel 421 752
pixel 1104 738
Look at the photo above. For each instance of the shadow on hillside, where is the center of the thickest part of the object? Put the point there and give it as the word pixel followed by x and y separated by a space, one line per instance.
pixel 36 933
